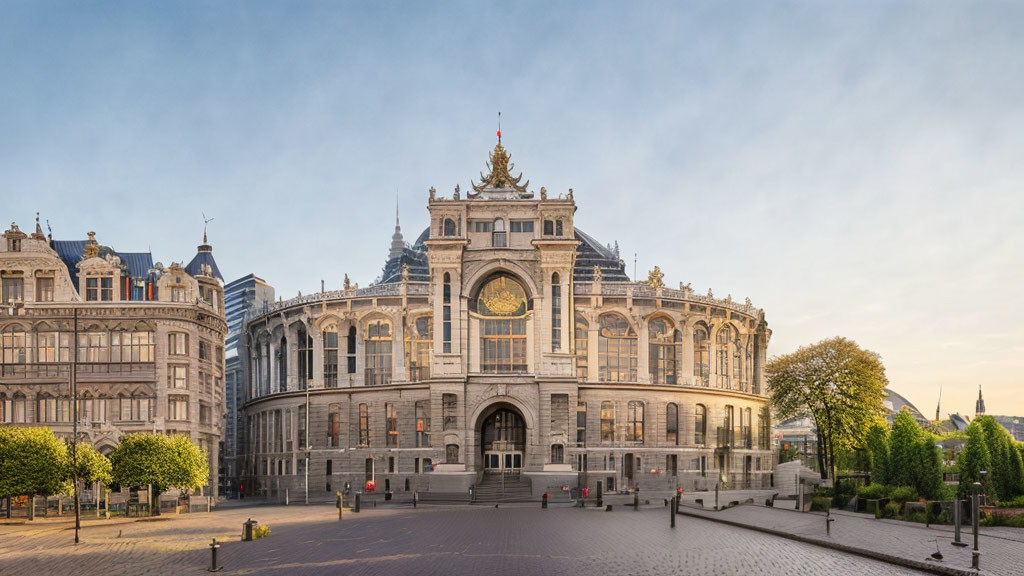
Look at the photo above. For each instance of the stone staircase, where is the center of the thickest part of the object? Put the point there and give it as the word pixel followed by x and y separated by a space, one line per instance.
pixel 490 489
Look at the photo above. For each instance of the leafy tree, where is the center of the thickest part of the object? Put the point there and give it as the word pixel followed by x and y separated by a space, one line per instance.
pixel 904 451
pixel 878 447
pixel 159 461
pixel 32 461
pixel 838 384
pixel 92 466
pixel 929 483
pixel 1016 474
pixel 973 459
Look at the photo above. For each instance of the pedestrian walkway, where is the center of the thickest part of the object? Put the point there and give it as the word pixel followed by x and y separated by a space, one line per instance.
pixel 911 544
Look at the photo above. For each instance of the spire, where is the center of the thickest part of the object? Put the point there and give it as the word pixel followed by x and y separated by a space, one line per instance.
pixel 397 242
pixel 979 406
pixel 938 404
pixel 499 127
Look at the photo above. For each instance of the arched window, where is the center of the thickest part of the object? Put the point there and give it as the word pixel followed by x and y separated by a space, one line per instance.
pixel 330 359
pixel 556 313
pixel 557 454
pixel 617 350
pixel 13 346
pixel 701 368
pixel 350 350
pixel 449 228
pixel 391 425
pixel 498 237
pixel 46 408
pixel 20 409
pixel 501 306
pixel 665 348
pixel 726 435
pixel 607 422
pixel 764 428
pixel 364 425
pixel 672 424
pixel 582 343
pixel 447 315
pixel 305 341
pixel 723 346
pixel 745 423
pixel 451 454
pixel 419 339
pixel 282 364
pixel 378 353
pixel 635 421
pixel 700 425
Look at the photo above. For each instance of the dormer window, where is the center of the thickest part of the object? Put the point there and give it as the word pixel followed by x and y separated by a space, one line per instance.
pixel 13 289
pixel 498 237
pixel 14 245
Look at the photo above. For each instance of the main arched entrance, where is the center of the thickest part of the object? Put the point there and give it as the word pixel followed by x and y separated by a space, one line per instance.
pixel 503 442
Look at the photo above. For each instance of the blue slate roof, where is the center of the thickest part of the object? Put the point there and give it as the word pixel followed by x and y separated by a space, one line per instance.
pixel 204 256
pixel 137 264
pixel 590 253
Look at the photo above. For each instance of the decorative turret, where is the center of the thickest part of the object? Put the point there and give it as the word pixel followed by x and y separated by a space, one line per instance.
pixel 397 242
pixel 979 406
pixel 202 263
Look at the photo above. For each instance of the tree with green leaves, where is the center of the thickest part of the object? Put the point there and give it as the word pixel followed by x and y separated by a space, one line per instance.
pixel 32 462
pixel 877 441
pixel 838 384
pixel 92 466
pixel 1006 475
pixel 163 462
pixel 929 479
pixel 904 450
pixel 972 459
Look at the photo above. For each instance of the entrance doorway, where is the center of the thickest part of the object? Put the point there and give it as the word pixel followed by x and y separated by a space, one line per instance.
pixel 504 443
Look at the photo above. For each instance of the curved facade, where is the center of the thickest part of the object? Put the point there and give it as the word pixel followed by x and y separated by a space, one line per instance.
pixel 505 344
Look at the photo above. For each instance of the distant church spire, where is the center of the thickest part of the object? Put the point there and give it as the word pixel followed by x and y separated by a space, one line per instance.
pixel 397 242
pixel 938 404
pixel 979 406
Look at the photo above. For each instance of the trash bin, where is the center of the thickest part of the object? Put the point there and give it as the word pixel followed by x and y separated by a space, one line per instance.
pixel 387 496
pixel 249 529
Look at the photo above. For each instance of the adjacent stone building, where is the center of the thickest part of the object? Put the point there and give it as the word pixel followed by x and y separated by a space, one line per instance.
pixel 149 340
pixel 506 350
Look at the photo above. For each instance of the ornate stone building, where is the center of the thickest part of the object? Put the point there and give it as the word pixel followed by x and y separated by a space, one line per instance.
pixel 149 339
pixel 507 350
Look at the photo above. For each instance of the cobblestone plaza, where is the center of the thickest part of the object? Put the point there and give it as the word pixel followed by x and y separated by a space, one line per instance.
pixel 484 540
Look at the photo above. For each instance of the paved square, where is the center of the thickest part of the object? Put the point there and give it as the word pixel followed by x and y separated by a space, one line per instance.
pixel 508 540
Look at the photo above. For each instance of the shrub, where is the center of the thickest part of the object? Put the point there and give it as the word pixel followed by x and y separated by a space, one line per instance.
pixel 892 510
pixel 903 494
pixel 1017 502
pixel 820 503
pixel 872 491
pixel 261 532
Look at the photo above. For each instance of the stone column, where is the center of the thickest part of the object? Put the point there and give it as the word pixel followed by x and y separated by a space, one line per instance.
pixel 318 357
pixel 643 370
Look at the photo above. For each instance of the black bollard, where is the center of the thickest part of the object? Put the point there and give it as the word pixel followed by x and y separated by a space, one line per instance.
pixel 957 520
pixel 213 557
pixel 415 498
pixel 355 507
pixel 636 500
pixel 828 522
pixel 600 500
pixel 544 501
pixel 672 511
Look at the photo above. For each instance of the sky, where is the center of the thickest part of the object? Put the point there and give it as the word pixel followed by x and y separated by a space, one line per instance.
pixel 854 168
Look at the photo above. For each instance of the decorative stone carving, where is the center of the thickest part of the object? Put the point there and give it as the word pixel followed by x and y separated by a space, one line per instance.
pixel 656 278
pixel 432 192
pixel 543 193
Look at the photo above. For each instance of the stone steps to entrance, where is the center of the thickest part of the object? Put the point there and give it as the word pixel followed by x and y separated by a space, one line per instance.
pixel 491 490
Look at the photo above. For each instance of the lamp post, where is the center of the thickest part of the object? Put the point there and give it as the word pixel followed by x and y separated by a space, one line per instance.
pixel 307 446
pixel 74 424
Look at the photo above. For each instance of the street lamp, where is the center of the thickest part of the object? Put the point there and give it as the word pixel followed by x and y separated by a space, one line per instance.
pixel 976 514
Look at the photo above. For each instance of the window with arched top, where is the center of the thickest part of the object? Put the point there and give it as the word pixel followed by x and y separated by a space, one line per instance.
pixel 746 428
pixel 556 313
pixel 724 340
pixel 449 228
pixel 378 352
pixel 665 347
pixel 558 227
pixel 582 336
pixel 501 306
pixel 617 350
pixel 700 424
pixel 607 422
pixel 446 321
pixel 305 360
pixel 350 350
pixel 330 359
pixel 364 425
pixel 499 236
pixel 635 421
pixel 701 368
pixel 672 424
pixel 419 340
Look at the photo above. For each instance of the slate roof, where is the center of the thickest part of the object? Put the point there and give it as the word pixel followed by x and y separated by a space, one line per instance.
pixel 590 253
pixel 70 252
pixel 204 256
